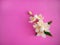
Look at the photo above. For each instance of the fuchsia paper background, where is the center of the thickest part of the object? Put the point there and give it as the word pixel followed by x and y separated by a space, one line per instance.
pixel 14 26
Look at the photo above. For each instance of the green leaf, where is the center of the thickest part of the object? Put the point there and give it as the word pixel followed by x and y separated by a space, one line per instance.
pixel 47 33
pixel 49 22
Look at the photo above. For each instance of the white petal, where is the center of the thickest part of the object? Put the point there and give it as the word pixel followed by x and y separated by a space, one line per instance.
pixel 30 12
pixel 41 16
pixel 30 21
pixel 47 30
pixel 46 24
pixel 42 29
pixel 40 23
pixel 36 30
pixel 35 25
pixel 38 34
pixel 43 35
pixel 36 16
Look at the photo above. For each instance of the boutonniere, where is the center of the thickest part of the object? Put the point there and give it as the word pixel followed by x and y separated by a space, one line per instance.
pixel 41 27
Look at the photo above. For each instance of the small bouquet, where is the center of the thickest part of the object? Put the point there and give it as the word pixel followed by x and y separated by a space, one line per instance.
pixel 41 28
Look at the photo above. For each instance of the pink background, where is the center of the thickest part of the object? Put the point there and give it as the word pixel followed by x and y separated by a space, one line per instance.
pixel 14 26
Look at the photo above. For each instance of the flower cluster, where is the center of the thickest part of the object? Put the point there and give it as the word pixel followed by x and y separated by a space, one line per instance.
pixel 41 28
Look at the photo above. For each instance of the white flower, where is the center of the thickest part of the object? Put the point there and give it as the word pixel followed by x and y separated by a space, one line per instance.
pixel 39 26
